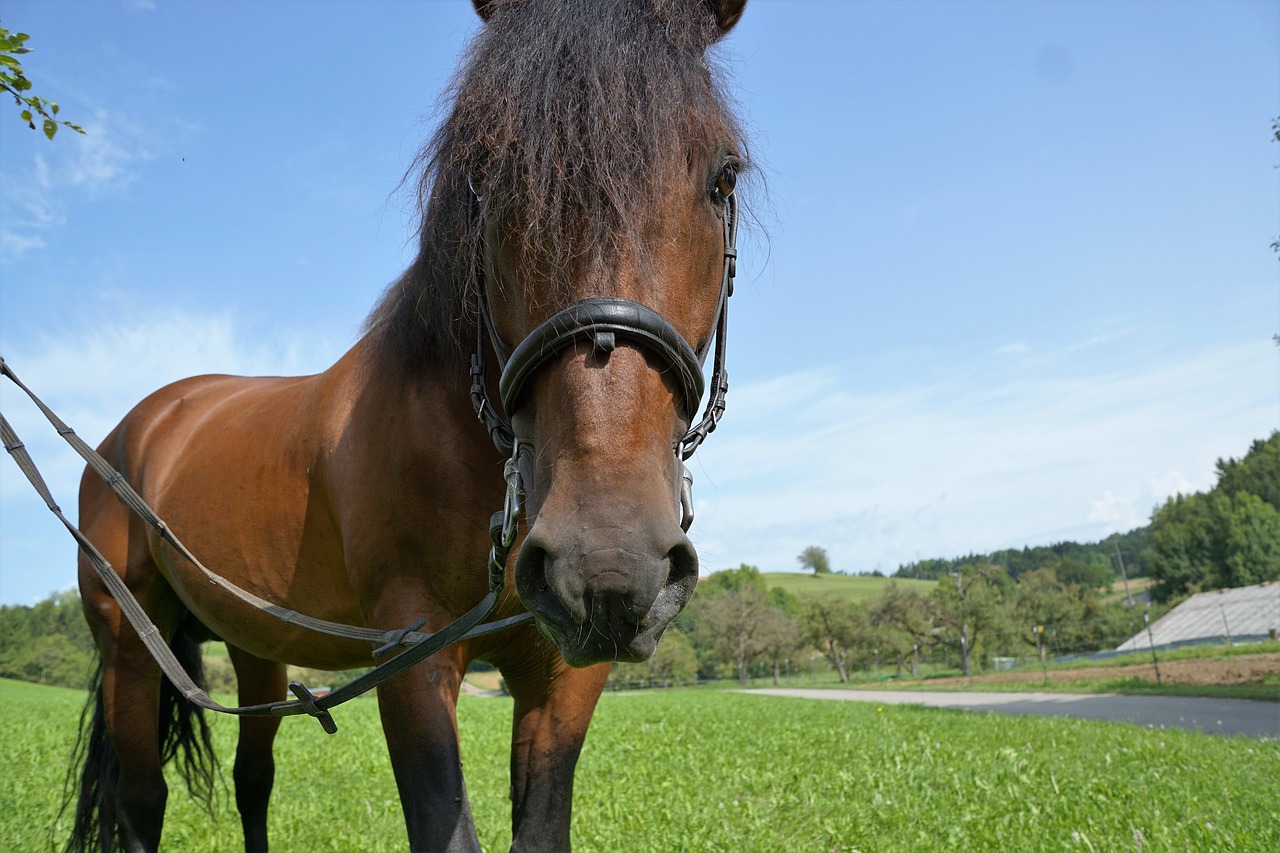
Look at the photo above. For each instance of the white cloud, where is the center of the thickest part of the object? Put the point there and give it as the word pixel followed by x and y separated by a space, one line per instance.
pixel 91 378
pixel 1173 483
pixel 13 246
pixel 972 463
pixel 97 164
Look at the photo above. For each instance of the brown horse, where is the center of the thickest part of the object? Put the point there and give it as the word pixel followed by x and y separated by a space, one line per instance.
pixel 588 159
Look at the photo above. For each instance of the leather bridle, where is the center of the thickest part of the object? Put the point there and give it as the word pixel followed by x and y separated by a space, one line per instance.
pixel 601 321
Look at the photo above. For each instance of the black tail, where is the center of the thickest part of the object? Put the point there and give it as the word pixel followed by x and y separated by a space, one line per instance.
pixel 184 734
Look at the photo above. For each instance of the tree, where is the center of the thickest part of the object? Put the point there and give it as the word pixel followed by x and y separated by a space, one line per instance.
pixel 1251 539
pixel 903 610
pixel 1072 570
pixel 49 642
pixel 1043 606
pixel 673 662
pixel 1213 541
pixel 1182 533
pixel 1257 473
pixel 815 558
pixel 710 623
pixel 15 82
pixel 51 659
pixel 969 609
pixel 839 628
pixel 730 623
pixel 779 639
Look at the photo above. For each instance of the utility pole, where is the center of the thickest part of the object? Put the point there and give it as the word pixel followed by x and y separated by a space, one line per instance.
pixel 964 627
pixel 1124 575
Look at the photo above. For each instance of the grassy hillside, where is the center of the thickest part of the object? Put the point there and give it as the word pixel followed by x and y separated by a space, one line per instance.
pixel 854 587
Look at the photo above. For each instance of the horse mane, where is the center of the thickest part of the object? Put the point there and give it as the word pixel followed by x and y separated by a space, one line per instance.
pixel 561 121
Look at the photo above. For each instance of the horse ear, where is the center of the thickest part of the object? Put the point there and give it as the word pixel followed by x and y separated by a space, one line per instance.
pixel 727 12
pixel 484 8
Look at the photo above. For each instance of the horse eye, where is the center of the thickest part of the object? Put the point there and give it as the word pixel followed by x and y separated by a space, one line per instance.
pixel 726 181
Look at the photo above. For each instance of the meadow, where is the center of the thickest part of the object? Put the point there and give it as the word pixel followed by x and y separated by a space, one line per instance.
pixel 710 771
pixel 851 587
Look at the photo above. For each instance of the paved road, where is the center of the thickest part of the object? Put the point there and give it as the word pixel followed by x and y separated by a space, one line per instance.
pixel 1214 716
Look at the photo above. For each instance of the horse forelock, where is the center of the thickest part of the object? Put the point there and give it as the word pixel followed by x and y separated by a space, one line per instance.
pixel 564 118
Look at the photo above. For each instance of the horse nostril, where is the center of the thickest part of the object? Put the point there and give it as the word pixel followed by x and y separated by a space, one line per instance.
pixel 683 562
pixel 531 572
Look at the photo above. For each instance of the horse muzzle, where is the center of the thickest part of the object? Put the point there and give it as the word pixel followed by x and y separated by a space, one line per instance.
pixel 606 594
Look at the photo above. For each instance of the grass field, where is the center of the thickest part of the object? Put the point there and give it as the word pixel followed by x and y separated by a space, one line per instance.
pixel 853 587
pixel 708 771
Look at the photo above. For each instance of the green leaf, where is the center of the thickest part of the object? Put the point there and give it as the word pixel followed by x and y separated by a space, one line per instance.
pixel 26 115
pixel 50 128
pixel 53 107
pixel 10 61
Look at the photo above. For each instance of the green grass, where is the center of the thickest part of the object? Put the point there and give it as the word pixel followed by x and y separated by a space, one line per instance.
pixel 853 587
pixel 702 771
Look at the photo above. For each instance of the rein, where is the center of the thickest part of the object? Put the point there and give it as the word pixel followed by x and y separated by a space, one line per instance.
pixel 502 529
pixel 599 320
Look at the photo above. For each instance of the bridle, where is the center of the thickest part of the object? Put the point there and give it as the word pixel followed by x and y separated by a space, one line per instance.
pixel 601 321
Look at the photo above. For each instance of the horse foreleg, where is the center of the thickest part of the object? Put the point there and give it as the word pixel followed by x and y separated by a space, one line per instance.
pixel 553 707
pixel 258 681
pixel 419 719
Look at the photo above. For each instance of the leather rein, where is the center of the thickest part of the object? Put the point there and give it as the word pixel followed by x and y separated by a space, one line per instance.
pixel 599 320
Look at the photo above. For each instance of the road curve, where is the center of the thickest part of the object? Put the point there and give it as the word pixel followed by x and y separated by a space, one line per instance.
pixel 1212 716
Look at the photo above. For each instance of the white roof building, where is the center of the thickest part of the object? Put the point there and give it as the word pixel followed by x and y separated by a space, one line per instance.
pixel 1243 613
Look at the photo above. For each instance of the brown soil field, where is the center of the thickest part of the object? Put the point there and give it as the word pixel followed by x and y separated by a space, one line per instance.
pixel 1255 670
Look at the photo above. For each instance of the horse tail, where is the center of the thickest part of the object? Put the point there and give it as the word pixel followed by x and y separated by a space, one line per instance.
pixel 183 732
pixel 95 816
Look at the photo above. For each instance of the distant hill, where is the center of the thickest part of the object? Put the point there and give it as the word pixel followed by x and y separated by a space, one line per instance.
pixel 853 587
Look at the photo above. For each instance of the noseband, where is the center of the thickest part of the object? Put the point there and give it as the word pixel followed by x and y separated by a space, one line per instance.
pixel 601 321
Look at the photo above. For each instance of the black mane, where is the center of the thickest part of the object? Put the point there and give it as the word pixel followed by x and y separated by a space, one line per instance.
pixel 567 113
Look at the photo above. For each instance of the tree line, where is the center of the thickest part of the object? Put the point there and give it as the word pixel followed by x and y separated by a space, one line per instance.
pixel 49 643
pixel 738 627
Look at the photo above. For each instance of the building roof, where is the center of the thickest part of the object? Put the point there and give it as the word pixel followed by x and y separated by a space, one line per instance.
pixel 1244 612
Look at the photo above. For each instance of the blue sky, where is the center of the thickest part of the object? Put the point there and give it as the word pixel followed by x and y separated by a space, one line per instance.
pixel 1011 282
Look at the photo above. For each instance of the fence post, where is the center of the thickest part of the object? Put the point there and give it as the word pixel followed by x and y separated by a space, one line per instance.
pixel 1146 619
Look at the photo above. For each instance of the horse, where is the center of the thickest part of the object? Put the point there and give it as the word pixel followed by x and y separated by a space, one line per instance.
pixel 575 204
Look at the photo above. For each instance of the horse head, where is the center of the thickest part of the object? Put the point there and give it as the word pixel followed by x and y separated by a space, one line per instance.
pixel 602 196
